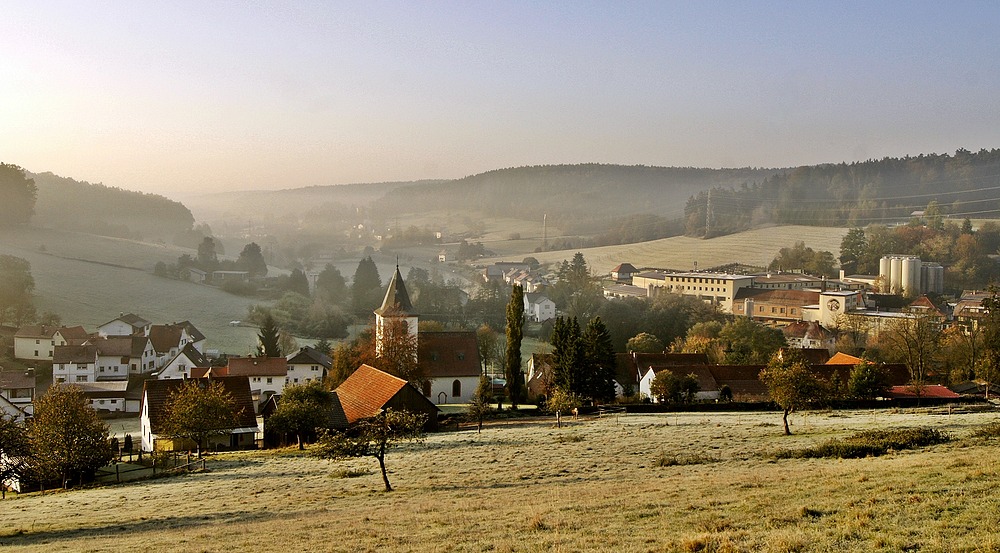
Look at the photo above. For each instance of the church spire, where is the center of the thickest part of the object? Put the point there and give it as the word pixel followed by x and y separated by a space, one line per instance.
pixel 396 298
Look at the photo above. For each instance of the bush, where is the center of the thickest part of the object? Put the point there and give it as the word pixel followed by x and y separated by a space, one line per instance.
pixel 871 443
pixel 991 430
pixel 665 460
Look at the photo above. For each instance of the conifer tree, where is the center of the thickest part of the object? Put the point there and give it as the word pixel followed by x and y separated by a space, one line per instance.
pixel 515 332
pixel 269 337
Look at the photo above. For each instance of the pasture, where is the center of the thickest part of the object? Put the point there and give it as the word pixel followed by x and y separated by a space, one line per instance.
pixel 665 482
pixel 89 280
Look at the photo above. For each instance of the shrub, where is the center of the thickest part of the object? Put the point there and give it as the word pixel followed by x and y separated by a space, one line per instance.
pixel 991 430
pixel 871 443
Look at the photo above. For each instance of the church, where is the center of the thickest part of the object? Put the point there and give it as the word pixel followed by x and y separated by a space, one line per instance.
pixel 448 359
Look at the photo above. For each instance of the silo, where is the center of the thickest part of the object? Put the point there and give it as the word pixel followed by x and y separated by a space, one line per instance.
pixel 933 278
pixel 896 275
pixel 883 272
pixel 910 279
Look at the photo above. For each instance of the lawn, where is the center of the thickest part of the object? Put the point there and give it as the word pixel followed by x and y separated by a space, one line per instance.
pixel 595 485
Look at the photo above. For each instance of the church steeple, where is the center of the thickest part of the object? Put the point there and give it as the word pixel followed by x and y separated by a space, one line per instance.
pixel 396 298
pixel 396 307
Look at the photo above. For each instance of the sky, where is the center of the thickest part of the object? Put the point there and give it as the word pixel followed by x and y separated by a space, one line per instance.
pixel 180 98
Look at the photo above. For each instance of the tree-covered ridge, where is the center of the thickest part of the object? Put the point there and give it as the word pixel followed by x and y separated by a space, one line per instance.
pixel 595 192
pixel 965 184
pixel 68 204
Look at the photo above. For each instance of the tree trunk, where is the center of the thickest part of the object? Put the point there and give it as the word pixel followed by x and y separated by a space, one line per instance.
pixel 784 419
pixel 301 445
pixel 385 477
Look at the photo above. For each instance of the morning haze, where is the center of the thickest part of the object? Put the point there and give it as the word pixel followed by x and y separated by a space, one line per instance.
pixel 576 276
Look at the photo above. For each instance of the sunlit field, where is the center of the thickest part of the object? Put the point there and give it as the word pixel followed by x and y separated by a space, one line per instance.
pixel 671 482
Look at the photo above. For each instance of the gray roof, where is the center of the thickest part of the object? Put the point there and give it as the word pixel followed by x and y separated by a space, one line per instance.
pixel 396 298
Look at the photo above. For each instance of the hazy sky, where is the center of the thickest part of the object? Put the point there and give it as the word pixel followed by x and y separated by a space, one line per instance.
pixel 180 97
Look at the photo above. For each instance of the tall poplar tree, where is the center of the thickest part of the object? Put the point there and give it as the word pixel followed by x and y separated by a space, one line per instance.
pixel 515 332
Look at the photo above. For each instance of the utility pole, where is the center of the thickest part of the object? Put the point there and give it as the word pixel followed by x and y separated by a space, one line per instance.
pixel 545 232
pixel 708 214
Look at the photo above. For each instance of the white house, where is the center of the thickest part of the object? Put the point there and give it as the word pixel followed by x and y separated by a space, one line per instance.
pixel 17 389
pixel 120 356
pixel 154 399
pixel 450 361
pixel 539 308
pixel 306 365
pixel 179 367
pixel 708 387
pixel 124 325
pixel 265 374
pixel 74 364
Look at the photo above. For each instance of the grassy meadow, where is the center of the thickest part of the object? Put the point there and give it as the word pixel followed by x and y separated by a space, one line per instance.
pixel 89 280
pixel 669 482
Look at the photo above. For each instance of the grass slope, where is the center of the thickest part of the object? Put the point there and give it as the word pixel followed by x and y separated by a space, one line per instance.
pixel 89 280
pixel 753 247
pixel 526 486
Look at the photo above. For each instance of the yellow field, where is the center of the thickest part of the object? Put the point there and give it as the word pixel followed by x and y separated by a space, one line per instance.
pixel 754 247
pixel 597 485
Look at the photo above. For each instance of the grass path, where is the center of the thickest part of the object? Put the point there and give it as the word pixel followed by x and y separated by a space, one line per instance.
pixel 527 486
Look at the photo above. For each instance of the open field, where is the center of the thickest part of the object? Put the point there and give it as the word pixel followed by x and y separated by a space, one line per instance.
pixel 89 280
pixel 754 247
pixel 596 485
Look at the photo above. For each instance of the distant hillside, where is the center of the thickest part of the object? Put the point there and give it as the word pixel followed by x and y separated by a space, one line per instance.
pixel 67 204
pixel 572 194
pixel 888 190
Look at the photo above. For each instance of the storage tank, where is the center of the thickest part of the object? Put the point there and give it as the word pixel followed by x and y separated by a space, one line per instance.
pixel 910 276
pixel 883 273
pixel 895 275
pixel 933 278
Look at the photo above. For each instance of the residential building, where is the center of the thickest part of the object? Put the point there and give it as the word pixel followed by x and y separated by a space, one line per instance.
pixel 180 366
pixel 306 365
pixel 74 364
pixel 152 411
pixel 17 388
pixel 124 325
pixel 538 307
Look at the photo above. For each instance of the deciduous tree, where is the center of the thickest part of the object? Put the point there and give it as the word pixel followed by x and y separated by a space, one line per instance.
pixel 868 380
pixel 302 409
pixel 645 343
pixel 198 409
pixel 17 196
pixel 790 383
pixel 67 438
pixel 14 452
pixel 479 405
pixel 251 260
pixel 373 437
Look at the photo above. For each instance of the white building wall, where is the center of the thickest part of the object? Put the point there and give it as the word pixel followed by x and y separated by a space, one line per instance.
pixel 442 388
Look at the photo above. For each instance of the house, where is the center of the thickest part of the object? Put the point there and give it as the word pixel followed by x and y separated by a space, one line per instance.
pixel 74 364
pixel 442 256
pixel 809 335
pixel 632 366
pixel 124 325
pixel 17 391
pixel 539 308
pixel 306 365
pixel 197 275
pixel 180 365
pixel 780 306
pixel 622 274
pixel 266 375
pixel 927 391
pixel 106 396
pixel 168 341
pixel 221 277
pixel 539 374
pixel 120 356
pixel 34 342
pixel 154 400
pixel 369 391
pixel 450 362
pixel 708 387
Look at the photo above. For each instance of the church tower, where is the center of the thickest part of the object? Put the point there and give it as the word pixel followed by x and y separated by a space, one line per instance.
pixel 396 308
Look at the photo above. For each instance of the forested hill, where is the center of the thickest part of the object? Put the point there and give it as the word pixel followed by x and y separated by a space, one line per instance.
pixel 586 192
pixel 67 204
pixel 888 190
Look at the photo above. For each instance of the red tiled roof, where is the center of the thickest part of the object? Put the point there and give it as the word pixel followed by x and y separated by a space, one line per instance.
pixel 257 366
pixel 840 358
pixel 936 391
pixel 743 381
pixel 74 335
pixel 448 354
pixel 366 391
pixel 165 337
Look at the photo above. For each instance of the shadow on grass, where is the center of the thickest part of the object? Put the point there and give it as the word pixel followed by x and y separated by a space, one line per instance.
pixel 26 536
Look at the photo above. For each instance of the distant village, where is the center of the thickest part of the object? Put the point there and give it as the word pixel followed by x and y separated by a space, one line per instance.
pixel 127 365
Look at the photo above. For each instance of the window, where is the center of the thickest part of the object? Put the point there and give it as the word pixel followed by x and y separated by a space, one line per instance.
pixel 133 366
pixel 81 378
pixel 36 351
pixel 37 342
pixel 297 380
pixel 269 379
pixel 102 369
pixel 456 388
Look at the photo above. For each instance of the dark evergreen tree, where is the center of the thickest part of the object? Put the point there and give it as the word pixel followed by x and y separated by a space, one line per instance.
pixel 269 337
pixel 515 332
pixel 366 287
pixel 298 283
pixel 600 360
pixel 568 353
pixel 208 258
pixel 331 284
pixel 251 259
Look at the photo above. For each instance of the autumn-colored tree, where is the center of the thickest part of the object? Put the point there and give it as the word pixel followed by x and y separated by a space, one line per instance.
pixel 302 409
pixel 198 409
pixel 373 437
pixel 67 438
pixel 790 382
pixel 479 404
